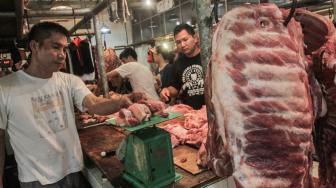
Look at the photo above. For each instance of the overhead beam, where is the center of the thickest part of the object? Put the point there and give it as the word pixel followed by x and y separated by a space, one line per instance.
pixel 46 5
pixel 7 15
pixel 58 13
pixel 101 6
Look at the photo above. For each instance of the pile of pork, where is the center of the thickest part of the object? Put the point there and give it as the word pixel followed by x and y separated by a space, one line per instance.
pixel 140 111
pixel 263 97
pixel 192 129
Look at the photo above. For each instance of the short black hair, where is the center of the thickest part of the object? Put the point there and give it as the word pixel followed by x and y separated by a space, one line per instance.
pixel 160 50
pixel 184 26
pixel 43 30
pixel 128 52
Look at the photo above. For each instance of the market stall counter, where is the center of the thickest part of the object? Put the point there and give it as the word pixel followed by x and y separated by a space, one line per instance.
pixel 103 137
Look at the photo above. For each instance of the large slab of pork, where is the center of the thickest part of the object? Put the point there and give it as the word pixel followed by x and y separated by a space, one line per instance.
pixel 258 96
pixel 320 38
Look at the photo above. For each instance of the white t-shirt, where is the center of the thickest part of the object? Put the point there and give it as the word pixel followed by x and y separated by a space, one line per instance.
pixel 38 115
pixel 140 77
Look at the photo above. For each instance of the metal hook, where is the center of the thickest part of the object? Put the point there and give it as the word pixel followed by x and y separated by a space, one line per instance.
pixel 213 14
pixel 215 11
pixel 291 13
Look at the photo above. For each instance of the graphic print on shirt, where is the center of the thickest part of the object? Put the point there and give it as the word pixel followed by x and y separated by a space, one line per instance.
pixel 192 78
pixel 49 110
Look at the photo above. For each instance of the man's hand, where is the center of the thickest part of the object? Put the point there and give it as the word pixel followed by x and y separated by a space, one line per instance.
pixel 137 96
pixel 125 101
pixel 165 94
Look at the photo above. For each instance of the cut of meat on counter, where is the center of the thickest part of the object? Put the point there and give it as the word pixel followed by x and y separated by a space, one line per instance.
pixel 259 101
pixel 88 119
pixel 139 112
pixel 192 130
pixel 195 118
pixel 183 160
pixel 180 108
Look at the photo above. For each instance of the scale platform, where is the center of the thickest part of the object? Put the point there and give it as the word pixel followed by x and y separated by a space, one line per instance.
pixel 148 160
pixel 153 121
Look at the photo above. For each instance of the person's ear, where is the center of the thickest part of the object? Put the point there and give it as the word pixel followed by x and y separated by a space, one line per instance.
pixel 196 37
pixel 33 45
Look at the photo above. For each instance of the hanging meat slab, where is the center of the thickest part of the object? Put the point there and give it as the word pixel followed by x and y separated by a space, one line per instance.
pixel 258 96
pixel 320 38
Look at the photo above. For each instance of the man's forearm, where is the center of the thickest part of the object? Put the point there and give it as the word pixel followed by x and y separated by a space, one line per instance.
pixel 2 156
pixel 106 106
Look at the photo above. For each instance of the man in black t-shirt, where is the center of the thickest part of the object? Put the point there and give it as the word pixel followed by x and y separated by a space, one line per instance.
pixel 188 82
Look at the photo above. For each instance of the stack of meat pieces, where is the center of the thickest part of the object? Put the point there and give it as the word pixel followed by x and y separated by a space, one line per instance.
pixel 192 130
pixel 141 110
pixel 259 100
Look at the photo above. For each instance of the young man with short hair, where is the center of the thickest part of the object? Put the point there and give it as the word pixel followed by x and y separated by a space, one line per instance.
pixel 37 111
pixel 187 70
pixel 140 77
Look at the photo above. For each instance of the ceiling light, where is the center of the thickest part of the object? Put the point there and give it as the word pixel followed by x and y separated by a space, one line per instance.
pixel 165 45
pixel 60 5
pixel 178 22
pixel 172 17
pixel 153 25
pixel 105 30
pixel 148 2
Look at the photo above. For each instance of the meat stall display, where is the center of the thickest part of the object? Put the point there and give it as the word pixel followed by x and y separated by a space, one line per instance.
pixel 259 99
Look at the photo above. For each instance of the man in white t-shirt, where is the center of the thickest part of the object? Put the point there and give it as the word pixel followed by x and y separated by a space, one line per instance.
pixel 37 111
pixel 140 77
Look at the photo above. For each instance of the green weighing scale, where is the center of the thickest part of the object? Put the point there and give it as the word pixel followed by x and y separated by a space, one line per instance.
pixel 148 161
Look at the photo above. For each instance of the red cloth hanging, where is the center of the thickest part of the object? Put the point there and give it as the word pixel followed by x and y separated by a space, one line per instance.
pixel 77 42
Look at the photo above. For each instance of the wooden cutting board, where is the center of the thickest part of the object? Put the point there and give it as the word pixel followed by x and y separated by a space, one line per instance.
pixel 185 157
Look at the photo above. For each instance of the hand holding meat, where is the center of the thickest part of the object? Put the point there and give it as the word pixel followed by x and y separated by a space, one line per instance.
pixel 125 101
pixel 165 94
pixel 137 96
pixel 142 109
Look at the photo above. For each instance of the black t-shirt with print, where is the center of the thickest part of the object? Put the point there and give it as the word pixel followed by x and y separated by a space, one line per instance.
pixel 189 81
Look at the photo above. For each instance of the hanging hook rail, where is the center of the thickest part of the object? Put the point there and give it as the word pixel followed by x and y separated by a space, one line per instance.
pixel 291 13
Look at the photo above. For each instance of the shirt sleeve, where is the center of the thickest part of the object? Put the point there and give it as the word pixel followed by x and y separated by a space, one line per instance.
pixel 125 70
pixel 79 92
